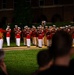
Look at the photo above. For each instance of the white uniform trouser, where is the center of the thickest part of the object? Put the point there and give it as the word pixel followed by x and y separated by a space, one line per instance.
pixel 1 43
pixel 18 41
pixel 28 42
pixel 39 42
pixel 8 41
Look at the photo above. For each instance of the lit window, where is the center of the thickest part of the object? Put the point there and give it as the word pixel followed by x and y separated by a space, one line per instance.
pixel 3 4
pixel 41 2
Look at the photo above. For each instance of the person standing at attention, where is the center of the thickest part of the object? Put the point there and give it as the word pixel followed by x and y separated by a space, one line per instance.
pixel 8 31
pixel 1 37
pixel 18 36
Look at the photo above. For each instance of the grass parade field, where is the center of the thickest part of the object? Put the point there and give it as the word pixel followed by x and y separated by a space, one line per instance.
pixel 21 62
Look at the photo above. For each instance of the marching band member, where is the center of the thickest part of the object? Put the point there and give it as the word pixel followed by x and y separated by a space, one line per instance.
pixel 28 37
pixel 34 34
pixel 49 38
pixel 1 37
pixel 16 28
pixel 8 31
pixel 37 36
pixel 40 37
pixel 45 38
pixel 18 36
pixel 24 35
pixel 43 33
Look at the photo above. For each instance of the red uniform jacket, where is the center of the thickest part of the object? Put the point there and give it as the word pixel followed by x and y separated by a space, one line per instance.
pixel 73 35
pixel 24 33
pixel 15 30
pixel 1 33
pixel 8 33
pixel 28 35
pixel 49 35
pixel 40 36
pixel 34 33
pixel 18 34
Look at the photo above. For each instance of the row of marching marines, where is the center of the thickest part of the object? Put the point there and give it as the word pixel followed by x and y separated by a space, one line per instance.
pixel 38 36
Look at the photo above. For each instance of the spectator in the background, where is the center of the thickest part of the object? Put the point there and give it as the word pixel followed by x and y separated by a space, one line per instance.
pixel 60 50
pixel 44 61
pixel 2 64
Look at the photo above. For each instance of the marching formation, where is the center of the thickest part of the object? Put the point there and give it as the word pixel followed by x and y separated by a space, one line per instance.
pixel 38 36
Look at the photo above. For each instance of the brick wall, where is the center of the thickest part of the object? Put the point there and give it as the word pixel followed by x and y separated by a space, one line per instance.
pixel 66 12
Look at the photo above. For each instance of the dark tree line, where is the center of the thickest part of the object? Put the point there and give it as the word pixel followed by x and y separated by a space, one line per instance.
pixel 22 13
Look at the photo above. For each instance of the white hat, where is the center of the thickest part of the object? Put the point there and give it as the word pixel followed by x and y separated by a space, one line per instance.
pixel 69 25
pixel 33 26
pixel 46 26
pixel 54 25
pixel 26 26
pixel 61 27
pixel 66 26
pixel 19 28
pixel 37 27
pixel 8 26
pixel 16 25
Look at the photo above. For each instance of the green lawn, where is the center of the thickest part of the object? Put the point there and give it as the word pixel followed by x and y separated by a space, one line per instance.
pixel 21 62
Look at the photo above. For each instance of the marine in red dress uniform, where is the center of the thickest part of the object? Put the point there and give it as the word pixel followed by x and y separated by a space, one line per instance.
pixel 49 37
pixel 28 37
pixel 18 36
pixel 1 37
pixel 24 35
pixel 15 30
pixel 8 31
pixel 45 38
pixel 40 37
pixel 34 36
pixel 43 33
